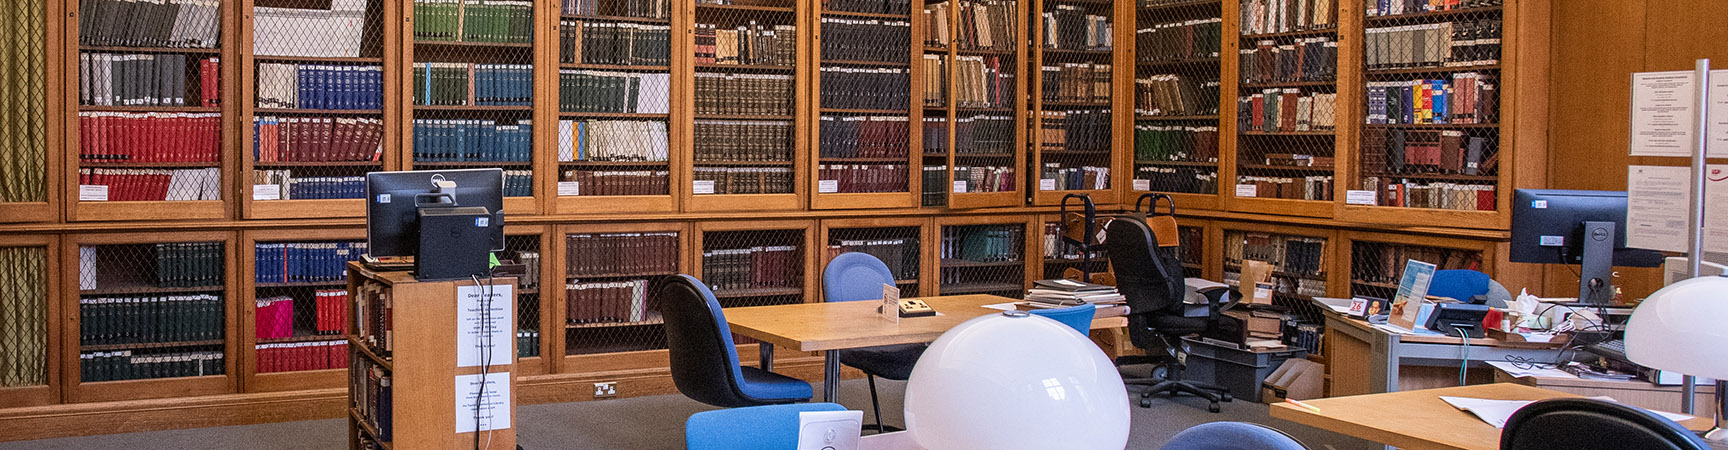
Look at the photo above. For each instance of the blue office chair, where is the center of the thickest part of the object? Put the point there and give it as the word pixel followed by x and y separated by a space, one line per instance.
pixel 1573 423
pixel 704 360
pixel 1232 436
pixel 855 276
pixel 1079 316
pixel 751 428
pixel 1462 284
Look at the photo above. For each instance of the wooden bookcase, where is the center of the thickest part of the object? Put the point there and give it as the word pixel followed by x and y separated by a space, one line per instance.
pixel 1006 267
pixel 1296 275
pixel 31 344
pixel 1376 260
pixel 276 366
pixel 1177 147
pixel 884 238
pixel 1056 255
pixel 971 106
pixel 606 346
pixel 123 266
pixel 220 132
pixel 864 141
pixel 1075 49
pixel 33 195
pixel 531 245
pixel 1279 159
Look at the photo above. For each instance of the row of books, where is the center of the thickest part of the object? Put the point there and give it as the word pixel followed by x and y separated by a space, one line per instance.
pixel 334 32
pixel 440 140
pixel 282 184
pixel 984 82
pixel 758 267
pixel 752 44
pixel 301 262
pixel 466 84
pixel 651 9
pixel 370 396
pixel 640 254
pixel 1313 187
pixel 983 243
pixel 372 313
pixel 1076 178
pixel 723 141
pixel 1286 110
pixel 316 139
pixel 275 318
pixel 864 137
pixel 149 137
pixel 866 88
pixel 981 25
pixel 612 140
pixel 1292 160
pixel 149 185
pixel 1077 82
pixel 1284 16
pixel 935 76
pixel 529 258
pixel 147 79
pixel 617 43
pixel 1467 98
pixel 895 7
pixel 1445 44
pixel 301 356
pixel 1069 27
pixel 935 191
pixel 519 183
pixel 970 179
pixel 1436 195
pixel 862 178
pixel 980 134
pixel 744 94
pixel 1175 95
pixel 607 302
pixel 874 40
pixel 331 306
pixel 1179 41
pixel 1307 60
pixel 527 343
pixel 160 23
pixel 139 365
pixel 320 86
pixel 1057 248
pixel 742 180
pixel 1383 8
pixel 613 92
pixel 1175 143
pixel 493 21
pixel 1290 254
pixel 1187 180
pixel 149 319
pixel 1393 152
pixel 900 254
pixel 1075 130
pixel 1376 262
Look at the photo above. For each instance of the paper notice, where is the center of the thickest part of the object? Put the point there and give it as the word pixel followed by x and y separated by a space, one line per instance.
pixel 1354 197
pixel 702 187
pixel 266 192
pixel 890 309
pixel 1656 207
pixel 959 186
pixel 1663 117
pixel 493 405
pixel 1718 126
pixel 1142 185
pixel 93 193
pixel 1247 190
pixel 1716 191
pixel 485 325
pixel 569 188
pixel 1047 184
pixel 827 186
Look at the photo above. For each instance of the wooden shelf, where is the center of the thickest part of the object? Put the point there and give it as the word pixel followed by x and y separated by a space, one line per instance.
pixel 117 49
pixel 865 111
pixel 984 155
pixel 1087 53
pixel 366 427
pixel 863 160
pixel 744 163
pixel 1288 133
pixel 618 19
pixel 299 339
pixel 354 345
pixel 1066 152
pixel 1292 34
pixel 1431 126
pixel 645 322
pixel 741 117
pixel 830 12
pixel 978 288
pixel 987 110
pixel 1438 176
pixel 1178 62
pixel 111 347
pixel 472 108
pixel 751 8
pixel 1300 84
pixel 327 112
pixel 474 163
pixel 613 115
pixel 1431 16
pixel 1139 117
pixel 321 59
pixel 1067 104
pixel 146 289
pixel 743 67
pixel 581 66
pixel 171 109
pixel 957 263
pixel 493 45
pixel 1238 267
pixel 319 164
pixel 1178 5
pixel 758 292
pixel 1291 168
pixel 1424 70
pixel 1146 162
pixel 1393 286
pixel 846 62
pixel 147 165
pixel 985 52
pixel 621 275
pixel 613 163
pixel 299 284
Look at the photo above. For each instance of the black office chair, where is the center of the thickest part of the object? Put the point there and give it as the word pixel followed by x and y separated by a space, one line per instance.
pixel 704 361
pixel 1575 423
pixel 1149 274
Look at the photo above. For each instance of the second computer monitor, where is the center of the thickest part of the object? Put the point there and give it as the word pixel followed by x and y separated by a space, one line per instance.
pixel 393 201
pixel 1588 228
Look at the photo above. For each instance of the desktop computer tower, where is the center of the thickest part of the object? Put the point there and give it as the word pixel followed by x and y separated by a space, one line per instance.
pixel 455 243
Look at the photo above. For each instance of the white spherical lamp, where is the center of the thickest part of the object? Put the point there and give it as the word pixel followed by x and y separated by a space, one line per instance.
pixel 1015 381
pixel 1680 328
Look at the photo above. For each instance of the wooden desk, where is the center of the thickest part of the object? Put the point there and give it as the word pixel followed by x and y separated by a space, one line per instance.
pixel 1642 394
pixel 1364 359
pixel 825 327
pixel 1419 419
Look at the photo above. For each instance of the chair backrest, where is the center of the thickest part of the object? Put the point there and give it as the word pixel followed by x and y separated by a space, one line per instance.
pixel 1078 317
pixel 1574 423
pixel 1459 284
pixel 1148 275
pixel 1232 436
pixel 703 360
pixel 854 276
pixel 749 428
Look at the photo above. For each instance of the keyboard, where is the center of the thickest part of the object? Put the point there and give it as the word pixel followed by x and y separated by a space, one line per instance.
pixel 1613 349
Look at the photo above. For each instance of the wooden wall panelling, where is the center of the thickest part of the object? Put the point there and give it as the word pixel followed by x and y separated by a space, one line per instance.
pixel 52 79
pixel 251 379
pixel 49 391
pixel 881 228
pixel 630 347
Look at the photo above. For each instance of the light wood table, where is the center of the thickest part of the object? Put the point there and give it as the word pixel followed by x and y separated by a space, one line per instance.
pixel 826 327
pixel 1419 419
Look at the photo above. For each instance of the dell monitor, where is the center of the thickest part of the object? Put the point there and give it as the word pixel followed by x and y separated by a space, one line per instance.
pixel 1587 228
pixel 394 201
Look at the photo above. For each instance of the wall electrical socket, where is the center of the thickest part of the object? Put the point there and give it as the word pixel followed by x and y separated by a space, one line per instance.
pixel 605 390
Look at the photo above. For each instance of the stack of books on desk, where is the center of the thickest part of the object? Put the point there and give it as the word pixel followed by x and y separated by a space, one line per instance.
pixel 1069 293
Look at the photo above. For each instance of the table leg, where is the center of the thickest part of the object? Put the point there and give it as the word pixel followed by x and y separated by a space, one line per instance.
pixel 831 376
pixel 766 350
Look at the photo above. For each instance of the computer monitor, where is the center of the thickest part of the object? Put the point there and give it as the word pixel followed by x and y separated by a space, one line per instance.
pixel 394 199
pixel 1588 228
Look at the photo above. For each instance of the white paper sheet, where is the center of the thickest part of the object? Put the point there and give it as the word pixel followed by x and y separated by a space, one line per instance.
pixel 1663 117
pixel 1716 194
pixel 1001 306
pixel 494 405
pixel 486 341
pixel 1533 371
pixel 1718 127
pixel 1656 207
pixel 1496 412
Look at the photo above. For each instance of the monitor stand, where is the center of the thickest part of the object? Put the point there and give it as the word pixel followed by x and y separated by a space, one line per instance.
pixel 1596 274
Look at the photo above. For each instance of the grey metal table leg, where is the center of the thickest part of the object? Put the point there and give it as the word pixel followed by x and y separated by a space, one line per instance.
pixel 766 350
pixel 831 375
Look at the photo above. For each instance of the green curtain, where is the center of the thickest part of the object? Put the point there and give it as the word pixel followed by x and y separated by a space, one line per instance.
pixel 23 97
pixel 23 316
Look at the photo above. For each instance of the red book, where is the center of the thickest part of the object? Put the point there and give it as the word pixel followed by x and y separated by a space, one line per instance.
pixel 210 81
pixel 163 179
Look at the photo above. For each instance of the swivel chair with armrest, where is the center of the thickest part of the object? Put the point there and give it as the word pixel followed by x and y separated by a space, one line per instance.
pixel 1149 274
pixel 704 361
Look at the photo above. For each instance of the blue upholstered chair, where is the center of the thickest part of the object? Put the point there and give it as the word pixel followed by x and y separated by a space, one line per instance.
pixel 1462 284
pixel 1232 436
pixel 1079 316
pixel 704 360
pixel 752 428
pixel 858 276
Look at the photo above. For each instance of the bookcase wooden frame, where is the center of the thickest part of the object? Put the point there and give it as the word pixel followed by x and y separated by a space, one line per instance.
pixel 74 390
pixel 1013 197
pixel 77 210
pixel 1212 247
pixel 1488 250
pixel 555 271
pixel 1226 101
pixel 250 379
pixel 536 365
pixel 1121 59
pixel 49 391
pixel 926 258
pixel 1030 225
pixel 53 79
pixel 914 120
pixel 1335 264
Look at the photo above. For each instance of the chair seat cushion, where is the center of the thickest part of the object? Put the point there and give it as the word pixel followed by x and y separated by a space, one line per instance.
pixel 770 386
pixel 893 362
pixel 1176 325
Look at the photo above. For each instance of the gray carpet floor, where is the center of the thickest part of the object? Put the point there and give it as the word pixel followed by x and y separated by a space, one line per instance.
pixel 656 422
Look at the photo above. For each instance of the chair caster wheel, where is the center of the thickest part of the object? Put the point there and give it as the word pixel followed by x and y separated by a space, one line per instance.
pixel 1213 408
pixel 1226 397
pixel 1145 403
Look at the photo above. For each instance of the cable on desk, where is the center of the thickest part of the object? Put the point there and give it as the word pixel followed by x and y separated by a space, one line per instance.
pixel 1464 338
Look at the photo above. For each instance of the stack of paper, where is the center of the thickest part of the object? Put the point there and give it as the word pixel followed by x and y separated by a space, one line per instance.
pixel 1069 292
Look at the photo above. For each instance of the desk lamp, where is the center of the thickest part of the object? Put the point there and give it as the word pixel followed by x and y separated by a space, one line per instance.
pixel 1014 381
pixel 1681 328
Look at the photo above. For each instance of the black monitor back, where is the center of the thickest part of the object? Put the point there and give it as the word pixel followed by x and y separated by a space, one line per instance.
pixel 1547 226
pixel 392 221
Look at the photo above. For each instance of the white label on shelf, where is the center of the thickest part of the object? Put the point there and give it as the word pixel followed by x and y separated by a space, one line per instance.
pixel 702 186
pixel 1355 197
pixel 484 325
pixel 1046 184
pixel 1247 190
pixel 1142 185
pixel 959 186
pixel 266 192
pixel 93 192
pixel 569 188
pixel 827 186
pixel 492 401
